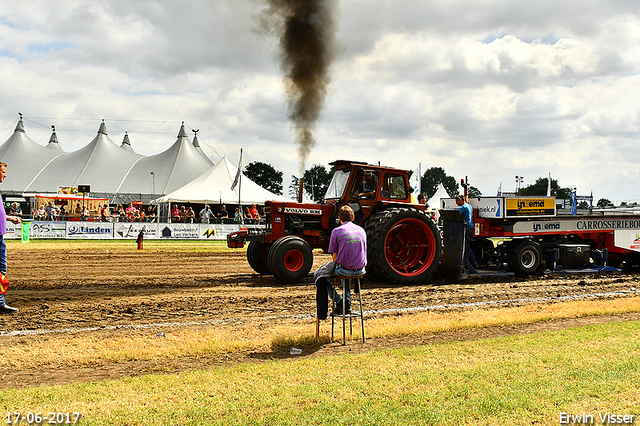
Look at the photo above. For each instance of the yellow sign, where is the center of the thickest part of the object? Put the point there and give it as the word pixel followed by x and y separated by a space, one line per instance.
pixel 518 207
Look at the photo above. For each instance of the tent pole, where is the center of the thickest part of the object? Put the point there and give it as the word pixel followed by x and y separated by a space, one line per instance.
pixel 240 205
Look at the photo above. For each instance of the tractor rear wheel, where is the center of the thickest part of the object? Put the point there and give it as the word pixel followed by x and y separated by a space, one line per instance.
pixel 290 259
pixel 257 253
pixel 405 245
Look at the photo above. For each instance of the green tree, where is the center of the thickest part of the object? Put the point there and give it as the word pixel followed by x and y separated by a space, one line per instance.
pixel 316 181
pixel 539 188
pixel 603 202
pixel 436 176
pixel 473 192
pixel 265 175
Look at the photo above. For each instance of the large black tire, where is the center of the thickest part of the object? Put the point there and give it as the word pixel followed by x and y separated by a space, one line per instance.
pixel 525 259
pixel 257 254
pixel 404 245
pixel 290 259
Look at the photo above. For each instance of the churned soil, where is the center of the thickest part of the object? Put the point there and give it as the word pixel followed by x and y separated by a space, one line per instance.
pixel 69 288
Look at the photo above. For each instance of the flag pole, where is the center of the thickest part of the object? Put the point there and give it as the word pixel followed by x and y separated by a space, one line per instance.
pixel 238 182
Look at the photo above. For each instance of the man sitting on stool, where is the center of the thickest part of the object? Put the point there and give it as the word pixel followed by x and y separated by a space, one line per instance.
pixel 348 245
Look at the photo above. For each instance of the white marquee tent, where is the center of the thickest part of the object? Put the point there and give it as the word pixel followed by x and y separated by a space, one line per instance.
pixel 167 171
pixel 434 201
pixel 214 186
pixel 111 170
pixel 24 159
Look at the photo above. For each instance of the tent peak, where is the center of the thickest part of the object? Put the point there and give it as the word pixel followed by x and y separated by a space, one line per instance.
pixel 195 138
pixel 125 140
pixel 54 136
pixel 20 125
pixel 103 128
pixel 182 133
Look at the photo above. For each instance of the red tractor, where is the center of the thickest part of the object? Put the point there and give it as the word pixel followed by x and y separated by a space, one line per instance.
pixel 404 245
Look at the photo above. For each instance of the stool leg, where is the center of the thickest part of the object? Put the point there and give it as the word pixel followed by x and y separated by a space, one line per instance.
pixel 350 318
pixel 344 313
pixel 361 308
pixel 317 327
pixel 333 305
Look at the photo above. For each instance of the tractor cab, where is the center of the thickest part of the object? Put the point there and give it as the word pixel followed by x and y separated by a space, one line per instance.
pixel 366 188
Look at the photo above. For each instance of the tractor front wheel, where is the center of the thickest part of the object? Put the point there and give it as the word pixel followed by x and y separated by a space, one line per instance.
pixel 290 259
pixel 257 253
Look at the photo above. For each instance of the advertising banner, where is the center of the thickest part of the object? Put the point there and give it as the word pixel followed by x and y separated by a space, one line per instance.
pixel 42 229
pixel 576 224
pixel 220 232
pixel 530 207
pixel 130 230
pixel 182 231
pixel 487 207
pixel 13 231
pixel 89 230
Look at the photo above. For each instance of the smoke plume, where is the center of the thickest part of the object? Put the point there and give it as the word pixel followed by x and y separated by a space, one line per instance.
pixel 306 30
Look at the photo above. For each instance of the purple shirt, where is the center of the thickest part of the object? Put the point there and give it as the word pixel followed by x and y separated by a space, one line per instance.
pixel 350 242
pixel 3 218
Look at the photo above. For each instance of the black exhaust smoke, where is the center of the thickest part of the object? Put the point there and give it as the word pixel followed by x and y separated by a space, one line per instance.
pixel 307 48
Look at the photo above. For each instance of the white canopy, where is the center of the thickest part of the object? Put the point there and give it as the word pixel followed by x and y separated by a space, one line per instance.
pixel 24 158
pixel 100 164
pixel 214 185
pixel 110 170
pixel 434 202
pixel 167 171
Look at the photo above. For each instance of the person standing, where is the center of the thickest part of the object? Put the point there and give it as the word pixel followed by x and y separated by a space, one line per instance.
pixel 348 245
pixel 466 211
pixel 205 214
pixel 4 282
pixel 223 213
pixel 190 215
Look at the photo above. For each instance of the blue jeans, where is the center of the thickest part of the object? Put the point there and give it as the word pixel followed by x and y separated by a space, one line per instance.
pixel 340 272
pixel 468 253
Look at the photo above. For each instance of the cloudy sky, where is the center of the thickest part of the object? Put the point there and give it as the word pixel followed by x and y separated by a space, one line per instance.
pixel 488 89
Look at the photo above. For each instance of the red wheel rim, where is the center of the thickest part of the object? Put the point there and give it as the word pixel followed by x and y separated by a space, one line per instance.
pixel 410 247
pixel 293 260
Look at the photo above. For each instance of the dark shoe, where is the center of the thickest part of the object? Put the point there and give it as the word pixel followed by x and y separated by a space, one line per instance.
pixel 6 309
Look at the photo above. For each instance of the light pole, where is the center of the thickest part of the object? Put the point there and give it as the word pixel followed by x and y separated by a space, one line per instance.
pixel 519 180
pixel 153 180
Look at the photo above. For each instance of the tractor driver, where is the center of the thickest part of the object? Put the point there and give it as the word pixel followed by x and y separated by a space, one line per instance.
pixel 348 244
pixel 368 186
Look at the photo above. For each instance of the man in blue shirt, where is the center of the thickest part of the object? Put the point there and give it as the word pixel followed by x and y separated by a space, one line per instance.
pixel 466 211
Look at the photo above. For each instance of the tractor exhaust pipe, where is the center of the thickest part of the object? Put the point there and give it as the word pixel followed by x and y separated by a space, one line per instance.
pixel 300 190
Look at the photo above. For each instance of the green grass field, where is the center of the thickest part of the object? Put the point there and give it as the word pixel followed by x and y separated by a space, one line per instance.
pixel 519 380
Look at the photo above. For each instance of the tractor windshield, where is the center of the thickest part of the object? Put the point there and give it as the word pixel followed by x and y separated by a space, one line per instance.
pixel 337 185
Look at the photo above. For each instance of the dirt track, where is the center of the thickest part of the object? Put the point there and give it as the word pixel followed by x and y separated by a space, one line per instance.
pixel 97 288
pixel 72 288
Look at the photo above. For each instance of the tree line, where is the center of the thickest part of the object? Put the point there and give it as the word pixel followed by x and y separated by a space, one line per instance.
pixel 316 180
